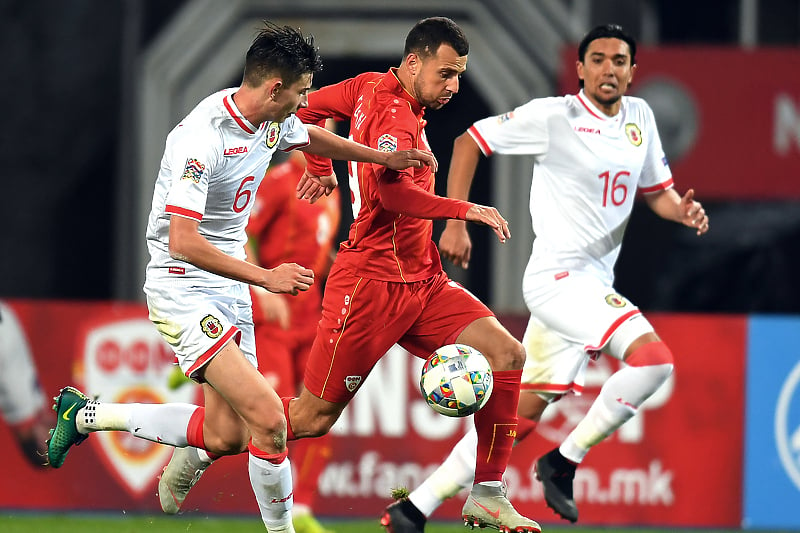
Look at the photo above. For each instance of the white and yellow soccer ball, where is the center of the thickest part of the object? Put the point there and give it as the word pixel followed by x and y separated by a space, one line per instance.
pixel 456 380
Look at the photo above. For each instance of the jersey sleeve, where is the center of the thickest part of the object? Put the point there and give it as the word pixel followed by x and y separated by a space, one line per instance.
pixel 295 134
pixel 656 174
pixel 334 101
pixel 521 131
pixel 400 195
pixel 397 129
pixel 192 158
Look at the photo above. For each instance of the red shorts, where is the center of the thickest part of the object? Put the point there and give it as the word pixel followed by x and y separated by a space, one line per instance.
pixel 362 318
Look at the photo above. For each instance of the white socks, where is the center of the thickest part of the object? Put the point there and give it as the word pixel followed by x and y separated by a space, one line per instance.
pixel 617 402
pixel 165 423
pixel 272 485
pixel 455 473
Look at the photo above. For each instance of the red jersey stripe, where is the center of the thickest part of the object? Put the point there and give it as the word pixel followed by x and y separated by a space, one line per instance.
pixel 473 131
pixel 588 108
pixel 182 212
pixel 236 117
pixel 659 187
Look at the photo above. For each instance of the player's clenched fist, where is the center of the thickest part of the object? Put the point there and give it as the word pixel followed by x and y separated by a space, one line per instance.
pixel 289 278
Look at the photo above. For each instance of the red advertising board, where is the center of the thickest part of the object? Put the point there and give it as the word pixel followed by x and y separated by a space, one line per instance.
pixel 729 118
pixel 683 447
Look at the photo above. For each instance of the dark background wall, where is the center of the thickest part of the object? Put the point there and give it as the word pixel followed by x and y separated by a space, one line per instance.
pixel 60 153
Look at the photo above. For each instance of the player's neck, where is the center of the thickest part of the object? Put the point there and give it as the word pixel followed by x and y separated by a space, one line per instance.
pixel 249 103
pixel 405 80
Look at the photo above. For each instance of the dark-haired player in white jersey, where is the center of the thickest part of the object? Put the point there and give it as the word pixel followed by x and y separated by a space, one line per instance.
pixel 593 151
pixel 197 279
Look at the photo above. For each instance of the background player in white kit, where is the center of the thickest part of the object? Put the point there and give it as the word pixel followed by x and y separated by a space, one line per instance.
pixel 22 401
pixel 197 279
pixel 592 151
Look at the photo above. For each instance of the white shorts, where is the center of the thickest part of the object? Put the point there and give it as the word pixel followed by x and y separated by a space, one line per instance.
pixel 198 321
pixel 574 319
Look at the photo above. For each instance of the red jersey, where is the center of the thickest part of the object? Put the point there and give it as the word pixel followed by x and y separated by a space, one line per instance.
pixel 391 236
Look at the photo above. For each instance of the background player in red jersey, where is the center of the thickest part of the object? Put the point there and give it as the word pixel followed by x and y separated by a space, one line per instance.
pixel 387 284
pixel 283 228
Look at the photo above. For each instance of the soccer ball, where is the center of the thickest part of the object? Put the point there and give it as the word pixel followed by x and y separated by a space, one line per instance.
pixel 456 380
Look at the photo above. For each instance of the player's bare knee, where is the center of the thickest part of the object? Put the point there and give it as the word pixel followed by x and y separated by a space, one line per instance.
pixel 270 426
pixel 506 355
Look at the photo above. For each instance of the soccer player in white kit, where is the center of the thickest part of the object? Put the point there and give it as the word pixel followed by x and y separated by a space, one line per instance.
pixel 593 151
pixel 197 279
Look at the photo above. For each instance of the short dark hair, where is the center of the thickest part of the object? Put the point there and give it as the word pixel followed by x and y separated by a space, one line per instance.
pixel 429 34
pixel 606 31
pixel 282 51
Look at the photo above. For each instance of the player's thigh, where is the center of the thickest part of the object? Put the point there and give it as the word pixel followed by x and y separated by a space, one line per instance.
pixel 447 310
pixel 361 320
pixel 243 387
pixel 223 428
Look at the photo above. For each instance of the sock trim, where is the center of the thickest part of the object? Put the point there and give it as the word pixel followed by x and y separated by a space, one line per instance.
pixel 274 458
pixel 194 431
pixel 289 433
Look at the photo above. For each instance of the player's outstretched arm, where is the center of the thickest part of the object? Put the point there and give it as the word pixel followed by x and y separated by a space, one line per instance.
pixel 326 144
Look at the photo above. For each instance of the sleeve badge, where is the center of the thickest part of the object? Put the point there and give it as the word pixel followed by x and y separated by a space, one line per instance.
pixel 193 170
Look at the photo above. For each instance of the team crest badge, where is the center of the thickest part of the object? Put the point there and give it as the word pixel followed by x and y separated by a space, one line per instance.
pixel 128 361
pixel 352 382
pixel 211 326
pixel 634 133
pixel 193 170
pixel 615 300
pixel 387 143
pixel 273 134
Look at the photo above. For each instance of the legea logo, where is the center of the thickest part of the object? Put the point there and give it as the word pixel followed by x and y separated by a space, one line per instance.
pixel 787 425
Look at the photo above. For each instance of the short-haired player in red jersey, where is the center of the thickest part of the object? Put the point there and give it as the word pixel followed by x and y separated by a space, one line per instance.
pixel 387 284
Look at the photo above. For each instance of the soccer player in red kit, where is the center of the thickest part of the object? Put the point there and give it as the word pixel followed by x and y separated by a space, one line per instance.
pixel 387 284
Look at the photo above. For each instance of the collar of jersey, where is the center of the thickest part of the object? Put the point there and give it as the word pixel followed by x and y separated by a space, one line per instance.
pixel 594 111
pixel 243 123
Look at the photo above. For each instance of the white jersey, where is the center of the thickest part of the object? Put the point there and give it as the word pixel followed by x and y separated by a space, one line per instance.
pixel 213 163
pixel 587 169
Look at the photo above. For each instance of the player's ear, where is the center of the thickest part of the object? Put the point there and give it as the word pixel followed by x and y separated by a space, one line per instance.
pixel 412 63
pixel 579 69
pixel 274 87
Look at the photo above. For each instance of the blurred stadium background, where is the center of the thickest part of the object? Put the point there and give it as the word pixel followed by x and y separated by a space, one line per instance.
pixel 92 87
